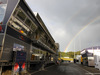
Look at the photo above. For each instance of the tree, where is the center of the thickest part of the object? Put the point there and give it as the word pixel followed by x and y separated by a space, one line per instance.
pixel 69 54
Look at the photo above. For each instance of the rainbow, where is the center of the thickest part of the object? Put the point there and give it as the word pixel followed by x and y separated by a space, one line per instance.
pixel 74 15
pixel 92 21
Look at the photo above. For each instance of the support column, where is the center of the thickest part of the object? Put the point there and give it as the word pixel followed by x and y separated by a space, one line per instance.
pixel 42 68
pixel 13 72
pixel 28 66
pixel 0 70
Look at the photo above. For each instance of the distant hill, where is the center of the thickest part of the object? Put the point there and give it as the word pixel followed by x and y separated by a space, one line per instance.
pixel 69 54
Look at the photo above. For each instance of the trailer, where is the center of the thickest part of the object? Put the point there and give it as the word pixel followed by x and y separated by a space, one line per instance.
pixel 91 56
pixel 97 58
pixel 91 61
pixel 88 57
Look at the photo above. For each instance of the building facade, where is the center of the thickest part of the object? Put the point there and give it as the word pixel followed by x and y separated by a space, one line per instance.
pixel 22 30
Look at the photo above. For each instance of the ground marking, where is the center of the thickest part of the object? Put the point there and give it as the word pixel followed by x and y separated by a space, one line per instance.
pixel 93 73
pixel 86 71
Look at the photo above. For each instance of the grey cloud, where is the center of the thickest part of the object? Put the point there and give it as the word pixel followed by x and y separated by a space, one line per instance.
pixel 65 18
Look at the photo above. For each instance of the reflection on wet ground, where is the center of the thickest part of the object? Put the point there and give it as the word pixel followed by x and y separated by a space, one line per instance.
pixel 68 69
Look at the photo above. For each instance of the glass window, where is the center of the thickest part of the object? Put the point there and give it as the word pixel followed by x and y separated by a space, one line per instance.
pixel 15 12
pixel 3 5
pixel 21 15
pixel 28 22
pixel 33 27
pixel 19 26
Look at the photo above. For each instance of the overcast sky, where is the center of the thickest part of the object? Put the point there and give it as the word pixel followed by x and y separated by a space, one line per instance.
pixel 74 24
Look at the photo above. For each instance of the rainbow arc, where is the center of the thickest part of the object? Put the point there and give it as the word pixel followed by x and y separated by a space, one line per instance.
pixel 92 21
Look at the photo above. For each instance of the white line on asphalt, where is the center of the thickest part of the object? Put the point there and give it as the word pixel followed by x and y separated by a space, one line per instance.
pixel 90 73
pixel 93 73
pixel 87 71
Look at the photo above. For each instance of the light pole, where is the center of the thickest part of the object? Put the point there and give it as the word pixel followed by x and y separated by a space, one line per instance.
pixel 74 48
pixel 80 43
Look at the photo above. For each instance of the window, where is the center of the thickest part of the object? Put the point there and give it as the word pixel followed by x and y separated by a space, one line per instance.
pixel 19 26
pixel 21 15
pixel 15 12
pixel 28 22
pixel 33 27
pixel 21 22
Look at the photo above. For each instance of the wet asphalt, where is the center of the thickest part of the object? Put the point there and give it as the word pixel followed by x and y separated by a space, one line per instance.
pixel 66 69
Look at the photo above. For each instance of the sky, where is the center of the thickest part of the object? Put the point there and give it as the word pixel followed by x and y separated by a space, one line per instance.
pixel 74 24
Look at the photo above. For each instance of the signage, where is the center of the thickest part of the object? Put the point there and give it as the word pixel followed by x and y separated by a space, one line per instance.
pixel 20 61
pixel 18 47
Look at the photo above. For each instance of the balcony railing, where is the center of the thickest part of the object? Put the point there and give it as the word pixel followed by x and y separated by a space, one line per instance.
pixel 45 46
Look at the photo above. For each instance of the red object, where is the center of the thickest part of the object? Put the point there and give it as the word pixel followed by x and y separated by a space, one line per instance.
pixel 0 28
pixel 21 31
pixel 16 67
pixel 23 66
pixel 22 37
